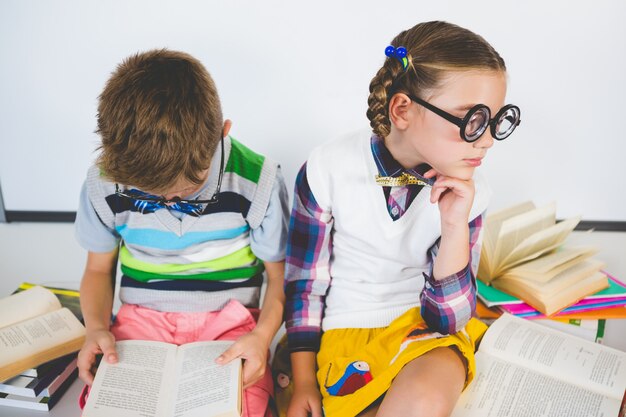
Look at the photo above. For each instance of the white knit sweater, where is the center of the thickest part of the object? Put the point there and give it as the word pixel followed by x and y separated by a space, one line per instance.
pixel 377 263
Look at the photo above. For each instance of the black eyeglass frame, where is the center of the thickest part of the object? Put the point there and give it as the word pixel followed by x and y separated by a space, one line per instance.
pixel 462 123
pixel 214 198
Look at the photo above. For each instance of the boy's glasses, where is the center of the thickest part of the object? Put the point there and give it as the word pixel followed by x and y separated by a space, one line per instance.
pixel 478 118
pixel 140 196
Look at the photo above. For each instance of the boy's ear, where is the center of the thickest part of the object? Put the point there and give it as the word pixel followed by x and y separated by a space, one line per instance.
pixel 227 125
pixel 399 110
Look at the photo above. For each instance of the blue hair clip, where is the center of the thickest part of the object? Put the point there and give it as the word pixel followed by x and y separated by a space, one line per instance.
pixel 399 53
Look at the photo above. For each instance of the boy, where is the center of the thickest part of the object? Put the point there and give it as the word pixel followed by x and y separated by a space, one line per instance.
pixel 193 216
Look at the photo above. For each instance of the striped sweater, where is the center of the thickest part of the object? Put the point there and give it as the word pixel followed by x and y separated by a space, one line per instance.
pixel 192 263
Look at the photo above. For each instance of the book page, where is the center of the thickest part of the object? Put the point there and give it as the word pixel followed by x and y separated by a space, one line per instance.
pixel 503 389
pixel 589 365
pixel 548 266
pixel 139 385
pixel 491 231
pixel 538 243
pixel 515 230
pixel 26 305
pixel 32 342
pixel 205 388
pixel 567 278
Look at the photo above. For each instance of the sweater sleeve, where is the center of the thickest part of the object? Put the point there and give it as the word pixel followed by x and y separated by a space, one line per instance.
pixel 448 304
pixel 307 276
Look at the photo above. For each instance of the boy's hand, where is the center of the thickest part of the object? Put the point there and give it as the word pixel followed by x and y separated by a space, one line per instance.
pixel 253 348
pixel 455 197
pixel 306 401
pixel 97 342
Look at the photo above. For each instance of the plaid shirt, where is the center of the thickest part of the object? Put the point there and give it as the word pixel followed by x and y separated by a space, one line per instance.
pixel 446 304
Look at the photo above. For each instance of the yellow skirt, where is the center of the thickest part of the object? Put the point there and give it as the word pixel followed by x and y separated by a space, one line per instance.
pixel 357 366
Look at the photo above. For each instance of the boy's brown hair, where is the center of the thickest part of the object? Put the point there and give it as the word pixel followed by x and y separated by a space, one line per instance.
pixel 160 120
pixel 433 49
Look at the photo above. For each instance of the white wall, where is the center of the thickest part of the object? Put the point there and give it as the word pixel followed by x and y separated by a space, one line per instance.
pixel 294 74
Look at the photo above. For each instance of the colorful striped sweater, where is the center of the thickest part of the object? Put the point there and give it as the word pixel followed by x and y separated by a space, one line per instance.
pixel 192 263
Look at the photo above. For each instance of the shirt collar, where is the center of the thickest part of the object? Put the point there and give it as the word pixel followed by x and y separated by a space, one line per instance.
pixel 389 167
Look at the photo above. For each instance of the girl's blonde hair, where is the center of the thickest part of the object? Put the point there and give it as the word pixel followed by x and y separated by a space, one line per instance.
pixel 433 48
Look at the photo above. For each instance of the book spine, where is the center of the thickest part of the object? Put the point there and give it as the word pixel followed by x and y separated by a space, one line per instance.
pixel 600 332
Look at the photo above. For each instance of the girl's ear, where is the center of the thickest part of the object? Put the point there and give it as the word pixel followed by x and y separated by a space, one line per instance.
pixel 399 110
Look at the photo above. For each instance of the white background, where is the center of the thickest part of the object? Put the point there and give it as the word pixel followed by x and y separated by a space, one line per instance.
pixel 294 74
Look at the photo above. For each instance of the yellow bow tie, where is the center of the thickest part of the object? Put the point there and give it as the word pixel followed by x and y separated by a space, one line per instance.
pixel 399 181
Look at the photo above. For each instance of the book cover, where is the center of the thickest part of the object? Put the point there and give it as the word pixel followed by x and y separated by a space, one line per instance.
pixel 42 402
pixel 29 386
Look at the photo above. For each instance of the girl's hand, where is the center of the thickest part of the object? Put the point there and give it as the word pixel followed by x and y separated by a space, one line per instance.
pixel 306 401
pixel 97 342
pixel 455 198
pixel 253 349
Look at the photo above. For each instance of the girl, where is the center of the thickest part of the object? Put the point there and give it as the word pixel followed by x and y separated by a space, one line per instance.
pixel 385 235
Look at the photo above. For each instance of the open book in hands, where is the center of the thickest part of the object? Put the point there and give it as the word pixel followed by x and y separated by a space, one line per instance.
pixel 34 329
pixel 164 380
pixel 522 255
pixel 525 369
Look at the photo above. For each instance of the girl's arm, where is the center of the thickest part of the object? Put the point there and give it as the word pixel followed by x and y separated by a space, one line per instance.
pixel 96 303
pixel 307 280
pixel 449 296
pixel 306 399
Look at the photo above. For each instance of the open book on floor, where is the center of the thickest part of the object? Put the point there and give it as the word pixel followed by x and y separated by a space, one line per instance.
pixel 523 255
pixel 161 379
pixel 525 369
pixel 34 329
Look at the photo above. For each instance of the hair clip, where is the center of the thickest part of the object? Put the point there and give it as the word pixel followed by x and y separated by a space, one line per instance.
pixel 399 53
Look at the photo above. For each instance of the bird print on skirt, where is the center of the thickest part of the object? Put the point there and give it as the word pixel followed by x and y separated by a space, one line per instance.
pixel 356 375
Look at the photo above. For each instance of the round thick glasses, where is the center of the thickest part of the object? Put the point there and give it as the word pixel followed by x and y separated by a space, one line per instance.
pixel 161 200
pixel 478 118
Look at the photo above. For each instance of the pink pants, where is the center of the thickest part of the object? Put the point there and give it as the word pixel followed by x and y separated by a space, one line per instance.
pixel 233 321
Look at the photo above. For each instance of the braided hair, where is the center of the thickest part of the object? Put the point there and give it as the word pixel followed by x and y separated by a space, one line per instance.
pixel 433 48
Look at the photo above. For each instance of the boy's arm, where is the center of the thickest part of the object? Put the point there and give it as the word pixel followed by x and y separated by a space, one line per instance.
pixel 267 242
pixel 253 346
pixel 271 316
pixel 96 303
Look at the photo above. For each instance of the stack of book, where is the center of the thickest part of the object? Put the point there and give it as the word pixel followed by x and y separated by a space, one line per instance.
pixel 39 338
pixel 524 256
pixel 607 304
pixel 40 388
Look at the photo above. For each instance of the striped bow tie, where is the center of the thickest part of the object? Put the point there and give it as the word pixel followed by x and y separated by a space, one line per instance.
pixel 147 206
pixel 399 181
